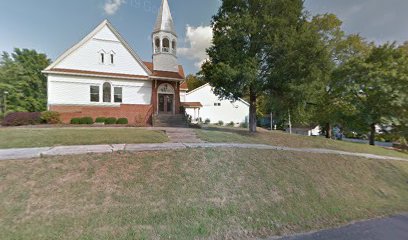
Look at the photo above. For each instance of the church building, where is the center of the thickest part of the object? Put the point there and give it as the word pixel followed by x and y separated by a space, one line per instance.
pixel 102 76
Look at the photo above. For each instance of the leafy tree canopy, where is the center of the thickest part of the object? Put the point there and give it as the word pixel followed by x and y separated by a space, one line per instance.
pixel 21 77
pixel 263 48
pixel 376 86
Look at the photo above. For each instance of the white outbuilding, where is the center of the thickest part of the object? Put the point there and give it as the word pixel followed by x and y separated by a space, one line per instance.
pixel 205 104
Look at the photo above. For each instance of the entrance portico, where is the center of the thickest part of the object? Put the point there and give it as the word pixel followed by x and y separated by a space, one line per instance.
pixel 166 98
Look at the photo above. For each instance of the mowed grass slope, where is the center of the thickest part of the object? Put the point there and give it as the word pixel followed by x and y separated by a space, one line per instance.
pixel 49 137
pixel 278 138
pixel 194 193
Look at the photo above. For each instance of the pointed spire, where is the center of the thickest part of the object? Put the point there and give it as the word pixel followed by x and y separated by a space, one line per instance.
pixel 164 20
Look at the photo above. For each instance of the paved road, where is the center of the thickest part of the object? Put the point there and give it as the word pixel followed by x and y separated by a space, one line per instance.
pixel 393 228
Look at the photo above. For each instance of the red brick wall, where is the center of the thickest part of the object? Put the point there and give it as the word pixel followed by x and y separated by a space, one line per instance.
pixel 140 115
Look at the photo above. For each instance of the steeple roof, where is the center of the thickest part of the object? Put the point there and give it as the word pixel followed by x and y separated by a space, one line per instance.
pixel 164 20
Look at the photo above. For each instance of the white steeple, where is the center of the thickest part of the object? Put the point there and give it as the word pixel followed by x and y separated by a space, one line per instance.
pixel 164 39
pixel 164 20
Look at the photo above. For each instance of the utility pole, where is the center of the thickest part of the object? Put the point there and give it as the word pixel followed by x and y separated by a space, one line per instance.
pixel 271 121
pixel 5 102
pixel 290 124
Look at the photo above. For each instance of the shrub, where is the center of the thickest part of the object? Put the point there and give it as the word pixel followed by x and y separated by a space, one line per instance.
pixel 244 125
pixel 207 121
pixel 22 118
pixel 51 117
pixel 100 120
pixel 231 124
pixel 111 120
pixel 221 123
pixel 86 120
pixel 122 121
pixel 195 125
pixel 76 121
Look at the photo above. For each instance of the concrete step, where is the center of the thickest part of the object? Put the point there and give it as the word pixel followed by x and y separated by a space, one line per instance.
pixel 169 121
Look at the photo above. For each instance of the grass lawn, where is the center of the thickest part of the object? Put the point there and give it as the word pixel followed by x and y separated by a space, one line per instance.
pixel 278 138
pixel 48 137
pixel 194 193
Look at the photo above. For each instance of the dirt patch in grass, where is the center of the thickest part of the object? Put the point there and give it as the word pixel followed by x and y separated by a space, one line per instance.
pixel 278 138
pixel 194 193
pixel 49 137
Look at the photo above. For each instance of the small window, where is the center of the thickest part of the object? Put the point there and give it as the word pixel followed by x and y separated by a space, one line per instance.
pixel 117 94
pixel 217 104
pixel 94 93
pixel 157 45
pixel 112 58
pixel 166 45
pixel 107 92
pixel 102 58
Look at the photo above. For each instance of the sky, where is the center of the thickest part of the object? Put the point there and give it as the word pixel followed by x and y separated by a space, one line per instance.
pixel 53 26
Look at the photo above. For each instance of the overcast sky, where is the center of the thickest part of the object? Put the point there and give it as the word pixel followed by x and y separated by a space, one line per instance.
pixel 52 27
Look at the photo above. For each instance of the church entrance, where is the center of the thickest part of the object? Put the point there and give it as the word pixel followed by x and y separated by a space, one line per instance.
pixel 166 99
pixel 166 103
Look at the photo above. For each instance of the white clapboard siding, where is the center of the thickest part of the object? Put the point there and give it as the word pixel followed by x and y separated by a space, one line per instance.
pixel 75 90
pixel 236 112
pixel 88 56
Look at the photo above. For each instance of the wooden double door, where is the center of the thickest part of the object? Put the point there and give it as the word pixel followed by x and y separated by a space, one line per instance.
pixel 166 103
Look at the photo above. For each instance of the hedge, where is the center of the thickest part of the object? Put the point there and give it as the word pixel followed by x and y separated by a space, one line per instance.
pixel 100 120
pixel 51 117
pixel 76 121
pixel 122 121
pixel 22 118
pixel 110 121
pixel 86 120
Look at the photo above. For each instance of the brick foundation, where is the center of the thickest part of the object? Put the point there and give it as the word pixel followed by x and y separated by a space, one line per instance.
pixel 140 115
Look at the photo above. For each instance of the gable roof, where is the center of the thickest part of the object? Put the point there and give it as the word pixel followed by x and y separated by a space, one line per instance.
pixel 89 37
pixel 163 74
pixel 208 85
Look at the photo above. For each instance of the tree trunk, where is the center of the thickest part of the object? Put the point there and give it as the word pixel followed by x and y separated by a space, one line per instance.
pixel 372 134
pixel 252 112
pixel 328 131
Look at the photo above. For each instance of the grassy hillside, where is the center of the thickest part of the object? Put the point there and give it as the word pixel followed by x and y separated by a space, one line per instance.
pixel 278 138
pixel 194 193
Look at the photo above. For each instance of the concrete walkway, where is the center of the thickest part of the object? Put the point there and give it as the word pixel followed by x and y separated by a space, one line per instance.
pixel 27 153
pixel 181 135
pixel 395 228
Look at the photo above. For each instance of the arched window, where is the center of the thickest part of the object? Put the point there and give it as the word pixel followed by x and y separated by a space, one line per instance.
pixel 107 89
pixel 166 45
pixel 157 45
pixel 174 46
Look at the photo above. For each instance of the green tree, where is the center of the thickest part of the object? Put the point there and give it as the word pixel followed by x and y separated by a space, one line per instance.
pixel 327 108
pixel 21 77
pixel 262 47
pixel 194 82
pixel 376 86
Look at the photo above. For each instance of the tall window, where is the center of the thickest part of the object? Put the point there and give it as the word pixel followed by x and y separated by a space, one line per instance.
pixel 107 92
pixel 117 94
pixel 102 58
pixel 174 46
pixel 94 93
pixel 112 58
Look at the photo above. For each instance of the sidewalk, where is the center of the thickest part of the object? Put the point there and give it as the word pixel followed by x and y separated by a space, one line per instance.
pixel 28 153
